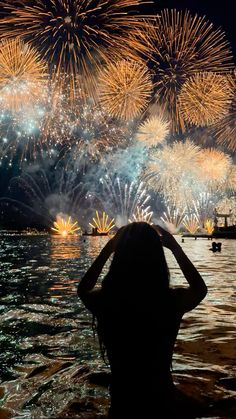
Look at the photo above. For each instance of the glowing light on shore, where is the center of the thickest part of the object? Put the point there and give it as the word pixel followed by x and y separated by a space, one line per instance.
pixel 65 226
pixel 205 98
pixel 124 89
pixel 153 131
pixel 182 45
pixel 209 226
pixel 75 36
pixel 22 76
pixel 102 223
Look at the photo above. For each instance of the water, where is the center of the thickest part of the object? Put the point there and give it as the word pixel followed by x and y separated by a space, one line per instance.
pixel 43 323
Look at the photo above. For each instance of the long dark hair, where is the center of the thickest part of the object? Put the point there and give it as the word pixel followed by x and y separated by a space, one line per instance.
pixel 138 270
pixel 139 263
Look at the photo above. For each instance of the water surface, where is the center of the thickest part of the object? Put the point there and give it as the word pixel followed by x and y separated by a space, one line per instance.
pixel 42 320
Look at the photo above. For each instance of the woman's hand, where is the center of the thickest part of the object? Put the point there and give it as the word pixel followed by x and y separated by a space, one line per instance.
pixel 166 238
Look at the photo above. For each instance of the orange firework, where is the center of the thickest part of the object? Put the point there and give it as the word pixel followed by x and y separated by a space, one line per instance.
pixel 64 226
pixel 225 130
pixel 102 224
pixel 214 167
pixel 182 45
pixel 22 75
pixel 153 131
pixel 75 35
pixel 124 89
pixel 205 98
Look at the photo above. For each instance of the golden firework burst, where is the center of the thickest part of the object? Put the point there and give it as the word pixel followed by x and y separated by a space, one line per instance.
pixel 225 130
pixel 191 223
pixel 73 35
pixel 205 98
pixel 209 225
pixel 124 89
pixel 153 131
pixel 22 75
pixel 102 223
pixel 64 226
pixel 181 45
pixel 214 166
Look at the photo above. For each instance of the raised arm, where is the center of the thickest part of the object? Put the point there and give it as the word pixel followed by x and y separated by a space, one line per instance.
pixel 86 290
pixel 197 289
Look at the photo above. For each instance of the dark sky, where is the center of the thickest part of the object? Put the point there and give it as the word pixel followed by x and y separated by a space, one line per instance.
pixel 221 13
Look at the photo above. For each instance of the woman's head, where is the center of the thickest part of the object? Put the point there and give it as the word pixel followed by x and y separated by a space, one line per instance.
pixel 139 261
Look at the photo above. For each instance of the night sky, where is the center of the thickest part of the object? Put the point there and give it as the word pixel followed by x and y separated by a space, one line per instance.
pixel 221 14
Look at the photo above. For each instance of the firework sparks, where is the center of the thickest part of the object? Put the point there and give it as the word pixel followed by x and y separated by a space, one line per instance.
pixel 22 76
pixel 209 226
pixel 173 218
pixel 64 226
pixel 182 45
pixel 75 36
pixel 191 223
pixel 124 89
pixel 124 198
pixel 225 130
pixel 142 214
pixel 102 223
pixel 172 171
pixel 205 98
pixel 153 131
pixel 214 167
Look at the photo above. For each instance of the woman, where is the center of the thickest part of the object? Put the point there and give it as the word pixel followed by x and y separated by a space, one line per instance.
pixel 138 317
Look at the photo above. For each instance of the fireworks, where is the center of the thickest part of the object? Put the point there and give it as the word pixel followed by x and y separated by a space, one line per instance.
pixel 22 76
pixel 182 45
pixel 214 167
pixel 74 35
pixel 191 223
pixel 102 224
pixel 142 214
pixel 173 218
pixel 43 195
pixel 124 89
pixel 64 226
pixel 225 130
pixel 173 170
pixel 205 98
pixel 209 226
pixel 153 131
pixel 124 198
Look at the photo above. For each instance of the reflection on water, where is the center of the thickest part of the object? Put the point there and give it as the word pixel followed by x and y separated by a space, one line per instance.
pixel 41 317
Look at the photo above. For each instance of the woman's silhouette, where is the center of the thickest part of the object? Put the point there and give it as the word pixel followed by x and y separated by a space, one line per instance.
pixel 138 317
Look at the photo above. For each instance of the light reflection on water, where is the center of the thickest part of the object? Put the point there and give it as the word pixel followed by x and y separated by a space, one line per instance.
pixel 41 314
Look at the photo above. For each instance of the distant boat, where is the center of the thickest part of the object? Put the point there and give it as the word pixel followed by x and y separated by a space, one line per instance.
pixel 226 231
pixel 94 232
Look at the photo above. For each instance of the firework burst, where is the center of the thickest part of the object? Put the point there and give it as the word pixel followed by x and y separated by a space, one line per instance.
pixel 214 167
pixel 191 223
pixel 64 226
pixel 22 76
pixel 182 45
pixel 205 98
pixel 124 89
pixel 173 218
pixel 142 214
pixel 124 198
pixel 225 130
pixel 173 170
pixel 102 223
pixel 153 131
pixel 74 35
